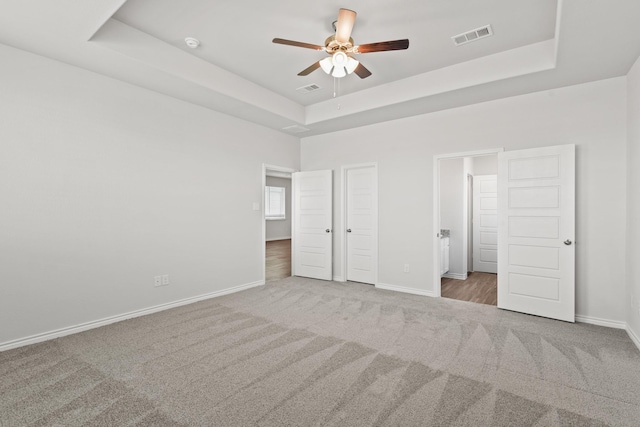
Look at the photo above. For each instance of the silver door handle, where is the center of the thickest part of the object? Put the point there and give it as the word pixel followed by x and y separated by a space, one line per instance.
pixel 348 230
pixel 567 242
pixel 328 230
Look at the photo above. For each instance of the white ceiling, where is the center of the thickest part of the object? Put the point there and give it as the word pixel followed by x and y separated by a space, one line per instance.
pixel 238 38
pixel 537 45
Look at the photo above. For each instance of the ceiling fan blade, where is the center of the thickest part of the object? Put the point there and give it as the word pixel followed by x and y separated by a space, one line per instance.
pixel 298 44
pixel 346 19
pixel 310 69
pixel 362 71
pixel 382 46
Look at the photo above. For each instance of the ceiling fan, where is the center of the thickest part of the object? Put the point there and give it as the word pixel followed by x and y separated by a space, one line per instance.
pixel 341 49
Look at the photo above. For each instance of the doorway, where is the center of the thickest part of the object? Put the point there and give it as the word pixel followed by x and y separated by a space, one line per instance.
pixel 277 222
pixel 535 229
pixel 463 215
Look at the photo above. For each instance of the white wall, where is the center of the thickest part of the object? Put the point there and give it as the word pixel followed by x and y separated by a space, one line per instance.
pixel 633 201
pixel 591 115
pixel 104 185
pixel 280 229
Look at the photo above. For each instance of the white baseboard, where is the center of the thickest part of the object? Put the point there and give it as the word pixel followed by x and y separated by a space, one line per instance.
pixel 278 238
pixel 456 276
pixel 616 324
pixel 338 279
pixel 20 342
pixel 406 290
pixel 634 337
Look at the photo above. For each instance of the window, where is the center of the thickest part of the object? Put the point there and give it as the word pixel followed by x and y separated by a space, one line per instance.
pixel 274 203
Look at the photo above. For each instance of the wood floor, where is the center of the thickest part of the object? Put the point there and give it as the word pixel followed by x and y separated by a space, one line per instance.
pixel 479 287
pixel 278 259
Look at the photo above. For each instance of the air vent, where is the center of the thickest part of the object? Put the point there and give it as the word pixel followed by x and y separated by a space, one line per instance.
pixel 295 129
pixel 309 88
pixel 473 35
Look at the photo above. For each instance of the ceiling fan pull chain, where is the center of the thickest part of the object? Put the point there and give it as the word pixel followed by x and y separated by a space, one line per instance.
pixel 334 86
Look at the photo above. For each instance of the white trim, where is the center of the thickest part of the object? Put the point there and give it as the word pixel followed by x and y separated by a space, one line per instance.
pixel 437 287
pixel 338 279
pixel 45 336
pixel 616 324
pixel 404 289
pixel 456 276
pixel 278 238
pixel 634 337
pixel 266 167
pixel 343 216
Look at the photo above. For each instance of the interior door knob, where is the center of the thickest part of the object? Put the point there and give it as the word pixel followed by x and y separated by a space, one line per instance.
pixel 348 230
pixel 567 242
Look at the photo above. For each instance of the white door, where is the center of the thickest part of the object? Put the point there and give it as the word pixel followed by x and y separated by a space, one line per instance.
pixel 312 242
pixel 485 223
pixel 361 224
pixel 536 253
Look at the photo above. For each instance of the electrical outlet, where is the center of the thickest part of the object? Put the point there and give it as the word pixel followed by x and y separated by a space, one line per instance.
pixel 157 281
pixel 165 279
pixel 406 268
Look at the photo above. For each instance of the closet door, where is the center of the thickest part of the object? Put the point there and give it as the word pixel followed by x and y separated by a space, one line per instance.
pixel 485 223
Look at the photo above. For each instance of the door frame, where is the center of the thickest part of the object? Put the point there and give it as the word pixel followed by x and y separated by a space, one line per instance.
pixel 263 251
pixel 343 219
pixel 437 287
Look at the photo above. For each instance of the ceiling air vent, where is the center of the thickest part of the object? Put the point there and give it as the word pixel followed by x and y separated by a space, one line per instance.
pixel 295 129
pixel 308 88
pixel 473 35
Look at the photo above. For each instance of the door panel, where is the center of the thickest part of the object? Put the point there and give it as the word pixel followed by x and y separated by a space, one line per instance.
pixel 485 223
pixel 536 264
pixel 312 225
pixel 361 214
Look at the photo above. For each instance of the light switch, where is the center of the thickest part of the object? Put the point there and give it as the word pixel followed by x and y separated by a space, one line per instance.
pixel 256 206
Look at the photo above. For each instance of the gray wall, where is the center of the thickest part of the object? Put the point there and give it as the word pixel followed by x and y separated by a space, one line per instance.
pixel 280 229
pixel 104 185
pixel 633 202
pixel 591 115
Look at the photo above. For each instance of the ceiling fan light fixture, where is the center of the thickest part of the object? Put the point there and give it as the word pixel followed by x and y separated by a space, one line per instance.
pixel 326 64
pixel 339 72
pixel 340 59
pixel 352 64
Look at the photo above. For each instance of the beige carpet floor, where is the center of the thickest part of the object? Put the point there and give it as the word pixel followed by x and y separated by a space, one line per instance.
pixel 301 352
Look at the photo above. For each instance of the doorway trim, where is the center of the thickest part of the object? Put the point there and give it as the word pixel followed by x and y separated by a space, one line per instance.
pixel 343 219
pixel 263 250
pixel 437 288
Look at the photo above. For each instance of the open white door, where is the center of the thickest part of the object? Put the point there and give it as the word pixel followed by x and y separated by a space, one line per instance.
pixel 485 223
pixel 312 225
pixel 536 252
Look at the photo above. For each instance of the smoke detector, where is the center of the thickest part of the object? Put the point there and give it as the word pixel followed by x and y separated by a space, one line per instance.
pixel 192 43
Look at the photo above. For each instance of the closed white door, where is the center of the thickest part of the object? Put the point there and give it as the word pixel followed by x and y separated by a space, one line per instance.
pixel 361 224
pixel 536 261
pixel 312 234
pixel 485 223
